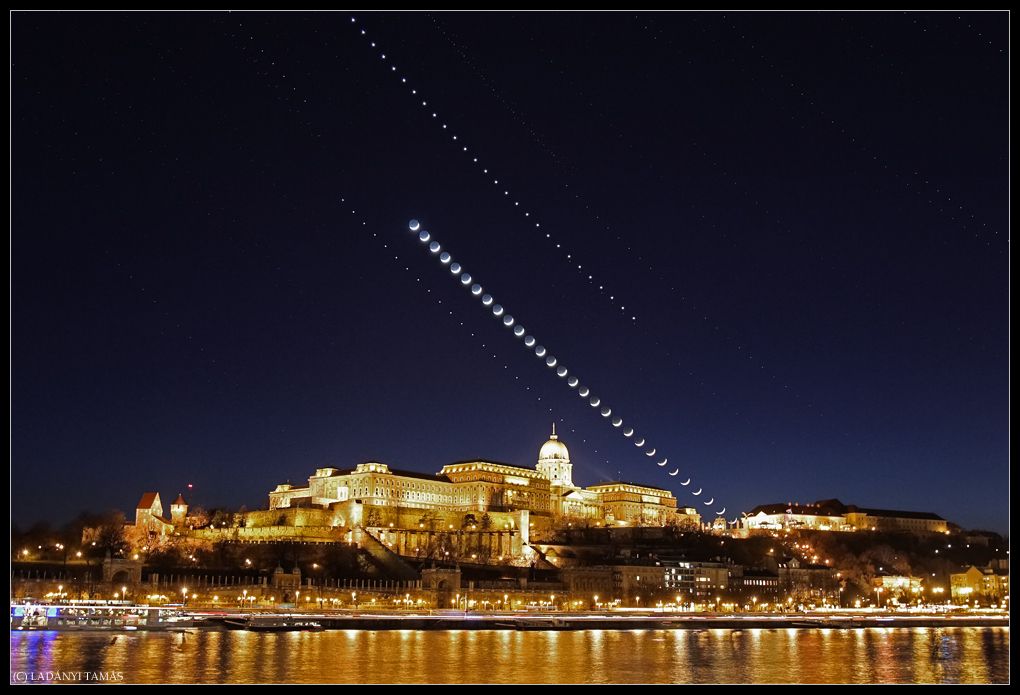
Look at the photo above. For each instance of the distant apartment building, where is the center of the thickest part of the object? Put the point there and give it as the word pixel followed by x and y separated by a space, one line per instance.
pixel 696 582
pixel 805 582
pixel 984 585
pixel 755 587
pixel 893 589
pixel 631 585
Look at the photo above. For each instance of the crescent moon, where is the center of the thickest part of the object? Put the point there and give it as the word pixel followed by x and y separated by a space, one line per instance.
pixel 640 442
pixel 663 463
pixel 675 472
pixel 686 482
pixel 628 432
pixel 650 453
pixel 698 492
pixel 710 502
pixel 720 513
pixel 735 521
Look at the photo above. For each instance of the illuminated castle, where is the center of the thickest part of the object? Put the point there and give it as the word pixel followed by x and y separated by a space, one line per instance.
pixel 482 486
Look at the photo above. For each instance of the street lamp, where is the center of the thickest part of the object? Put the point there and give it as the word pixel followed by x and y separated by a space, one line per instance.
pixel 123 593
pixel 184 591
pixel 878 596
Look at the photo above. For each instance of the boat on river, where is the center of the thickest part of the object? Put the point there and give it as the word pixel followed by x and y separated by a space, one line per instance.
pixel 274 624
pixel 101 616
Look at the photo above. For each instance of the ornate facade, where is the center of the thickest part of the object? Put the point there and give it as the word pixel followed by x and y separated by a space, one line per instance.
pixel 479 486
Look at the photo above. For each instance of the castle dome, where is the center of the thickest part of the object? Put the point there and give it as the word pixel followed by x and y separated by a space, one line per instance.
pixel 553 448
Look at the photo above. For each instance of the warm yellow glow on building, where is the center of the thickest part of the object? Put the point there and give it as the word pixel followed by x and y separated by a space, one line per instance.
pixel 479 486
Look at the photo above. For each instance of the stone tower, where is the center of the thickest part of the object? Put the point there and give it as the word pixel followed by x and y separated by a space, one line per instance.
pixel 554 461
pixel 179 511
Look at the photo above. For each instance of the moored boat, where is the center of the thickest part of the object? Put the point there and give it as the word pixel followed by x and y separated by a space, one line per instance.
pixel 102 616
pixel 283 625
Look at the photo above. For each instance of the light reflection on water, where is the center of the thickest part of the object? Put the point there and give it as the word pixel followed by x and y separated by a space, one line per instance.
pixel 883 655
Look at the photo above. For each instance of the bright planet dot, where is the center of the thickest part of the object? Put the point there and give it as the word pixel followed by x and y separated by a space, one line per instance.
pixel 414 225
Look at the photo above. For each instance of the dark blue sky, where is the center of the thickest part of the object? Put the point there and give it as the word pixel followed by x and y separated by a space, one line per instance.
pixel 804 215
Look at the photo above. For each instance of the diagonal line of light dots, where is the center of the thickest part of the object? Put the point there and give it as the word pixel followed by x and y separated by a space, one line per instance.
pixel 531 343
pixel 533 392
pixel 569 256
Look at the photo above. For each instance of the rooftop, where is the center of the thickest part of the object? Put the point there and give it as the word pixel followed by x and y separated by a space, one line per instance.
pixel 148 499
pixel 624 482
pixel 833 507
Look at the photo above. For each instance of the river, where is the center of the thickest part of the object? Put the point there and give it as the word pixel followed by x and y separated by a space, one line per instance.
pixel 785 655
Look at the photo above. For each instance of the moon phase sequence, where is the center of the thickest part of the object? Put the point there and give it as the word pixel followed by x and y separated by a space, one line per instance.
pixel 415 226
pixel 531 343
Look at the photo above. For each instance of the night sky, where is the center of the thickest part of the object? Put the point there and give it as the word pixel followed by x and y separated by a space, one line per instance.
pixel 796 228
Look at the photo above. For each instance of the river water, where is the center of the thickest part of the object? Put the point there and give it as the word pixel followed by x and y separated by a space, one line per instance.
pixel 866 655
